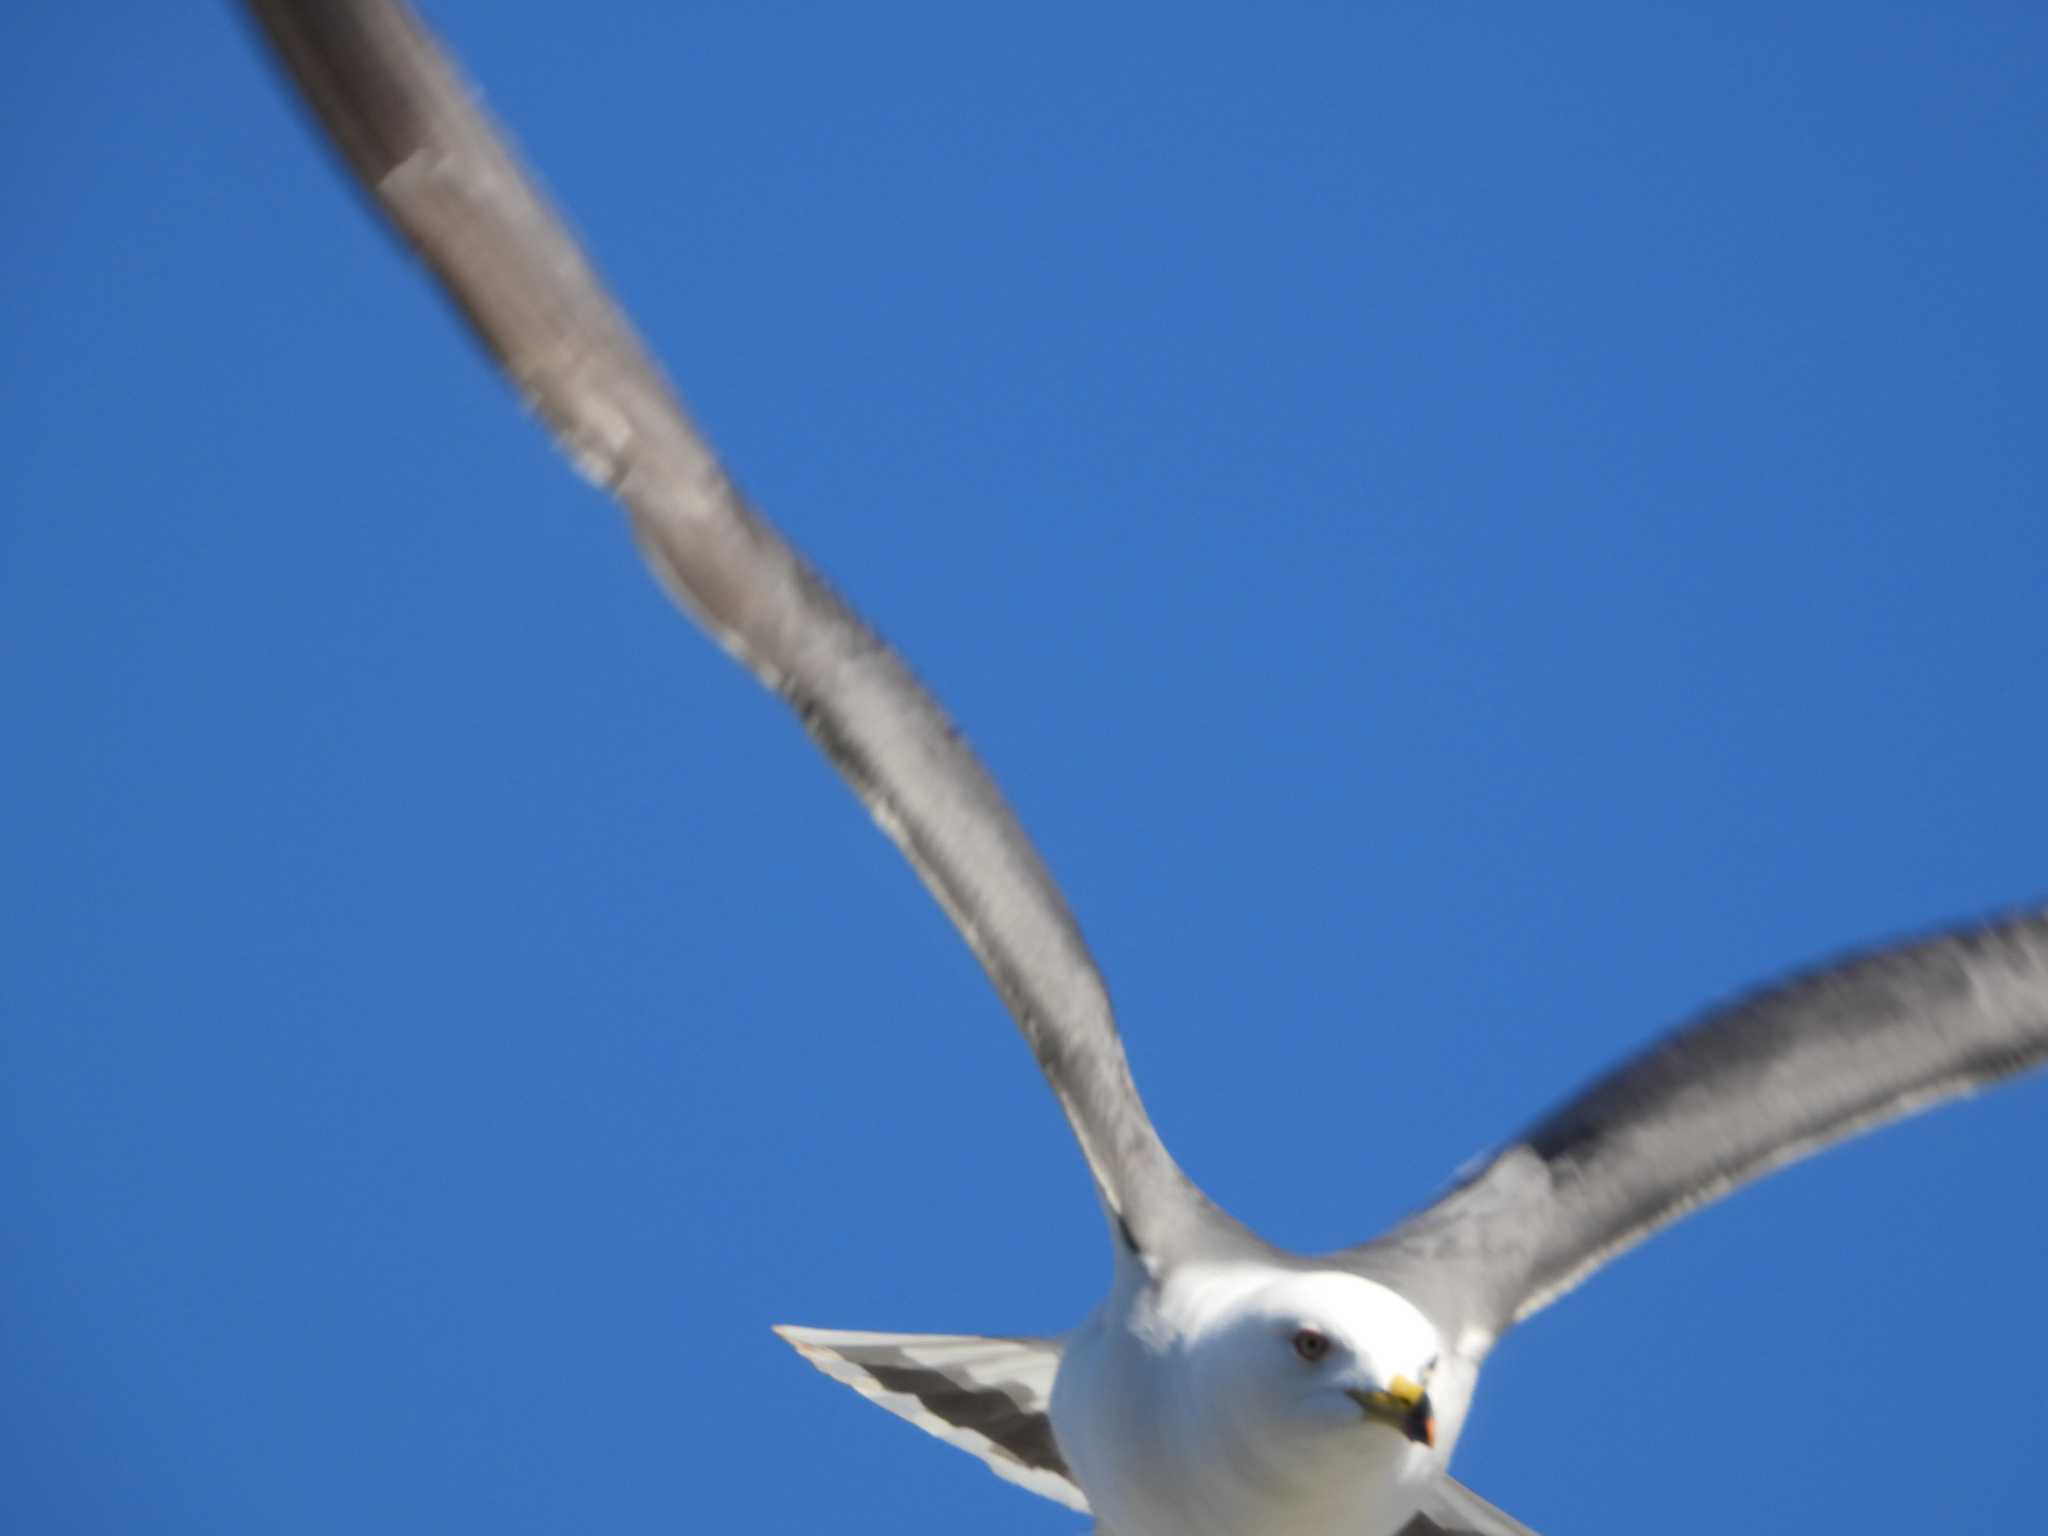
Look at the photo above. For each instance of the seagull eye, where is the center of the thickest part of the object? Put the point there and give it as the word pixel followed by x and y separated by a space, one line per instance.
pixel 1310 1345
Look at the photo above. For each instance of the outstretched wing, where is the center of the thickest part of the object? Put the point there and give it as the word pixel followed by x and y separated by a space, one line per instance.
pixel 992 1397
pixel 417 140
pixel 1746 1089
pixel 1452 1509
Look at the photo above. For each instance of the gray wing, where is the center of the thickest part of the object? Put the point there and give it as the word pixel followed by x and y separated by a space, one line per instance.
pixel 415 137
pixel 1745 1089
pixel 1449 1509
pixel 989 1396
pixel 1452 1509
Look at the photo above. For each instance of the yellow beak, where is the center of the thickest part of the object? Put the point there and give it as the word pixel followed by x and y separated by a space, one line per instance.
pixel 1400 1405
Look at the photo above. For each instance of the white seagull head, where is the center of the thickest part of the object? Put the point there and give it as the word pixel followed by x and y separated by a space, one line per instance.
pixel 1306 1359
pixel 1304 1397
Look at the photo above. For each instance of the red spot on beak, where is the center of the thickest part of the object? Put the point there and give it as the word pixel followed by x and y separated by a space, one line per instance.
pixel 1421 1425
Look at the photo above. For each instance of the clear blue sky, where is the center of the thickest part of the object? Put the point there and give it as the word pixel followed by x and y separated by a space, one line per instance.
pixel 1468 532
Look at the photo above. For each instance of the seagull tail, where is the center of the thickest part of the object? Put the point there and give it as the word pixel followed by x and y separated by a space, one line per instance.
pixel 990 1396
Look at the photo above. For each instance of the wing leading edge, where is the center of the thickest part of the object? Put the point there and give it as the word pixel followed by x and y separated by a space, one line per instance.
pixel 1747 1088
pixel 416 139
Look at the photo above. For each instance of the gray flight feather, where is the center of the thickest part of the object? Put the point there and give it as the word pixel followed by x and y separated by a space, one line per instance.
pixel 416 138
pixel 1452 1509
pixel 988 1396
pixel 1747 1088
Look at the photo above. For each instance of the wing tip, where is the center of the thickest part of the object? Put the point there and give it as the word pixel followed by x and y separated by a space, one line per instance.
pixel 816 1346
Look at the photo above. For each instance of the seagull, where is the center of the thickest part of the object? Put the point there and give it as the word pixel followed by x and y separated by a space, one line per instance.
pixel 1224 1386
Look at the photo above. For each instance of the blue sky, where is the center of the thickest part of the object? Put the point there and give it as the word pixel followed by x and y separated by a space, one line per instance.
pixel 1468 532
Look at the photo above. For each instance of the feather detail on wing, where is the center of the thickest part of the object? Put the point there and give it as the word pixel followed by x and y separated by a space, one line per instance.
pixel 988 1396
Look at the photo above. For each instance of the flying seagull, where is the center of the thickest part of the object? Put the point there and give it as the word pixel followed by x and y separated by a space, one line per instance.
pixel 1224 1387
